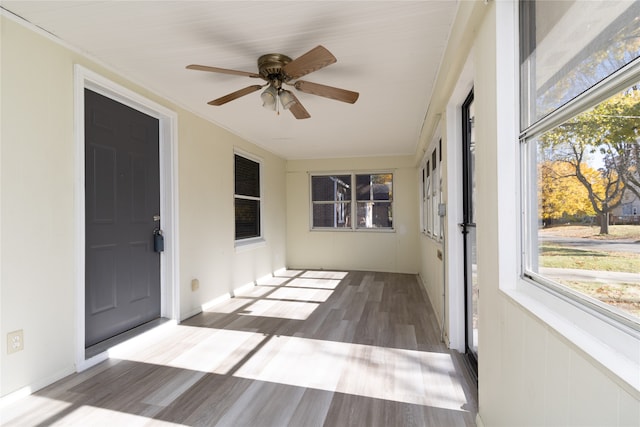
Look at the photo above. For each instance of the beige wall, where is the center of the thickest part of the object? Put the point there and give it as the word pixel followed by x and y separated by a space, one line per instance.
pixel 395 251
pixel 38 287
pixel 207 250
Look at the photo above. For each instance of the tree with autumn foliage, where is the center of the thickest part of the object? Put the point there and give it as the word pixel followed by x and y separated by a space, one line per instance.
pixel 605 136
pixel 561 193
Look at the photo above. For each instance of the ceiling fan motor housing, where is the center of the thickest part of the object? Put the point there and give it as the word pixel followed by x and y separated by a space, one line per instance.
pixel 270 66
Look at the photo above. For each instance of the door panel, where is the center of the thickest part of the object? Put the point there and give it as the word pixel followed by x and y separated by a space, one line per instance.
pixel 122 188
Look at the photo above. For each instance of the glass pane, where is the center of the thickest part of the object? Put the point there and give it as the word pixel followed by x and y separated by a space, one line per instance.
pixel 374 186
pixel 247 218
pixel 473 291
pixel 332 215
pixel 331 188
pixel 569 46
pixel 374 215
pixel 247 177
pixel 588 196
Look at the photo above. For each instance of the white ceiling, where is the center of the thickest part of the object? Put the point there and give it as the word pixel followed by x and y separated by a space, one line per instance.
pixel 388 51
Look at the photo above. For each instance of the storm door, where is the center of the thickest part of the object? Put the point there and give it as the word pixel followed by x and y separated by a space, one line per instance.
pixel 468 228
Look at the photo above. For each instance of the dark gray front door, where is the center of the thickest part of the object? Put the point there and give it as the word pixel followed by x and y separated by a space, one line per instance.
pixel 122 193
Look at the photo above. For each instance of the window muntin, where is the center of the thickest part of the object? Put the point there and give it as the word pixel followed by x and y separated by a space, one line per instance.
pixel 566 47
pixel 579 170
pixel 247 198
pixel 335 201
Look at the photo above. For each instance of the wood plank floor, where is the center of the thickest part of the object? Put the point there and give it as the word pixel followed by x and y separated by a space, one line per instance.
pixel 304 348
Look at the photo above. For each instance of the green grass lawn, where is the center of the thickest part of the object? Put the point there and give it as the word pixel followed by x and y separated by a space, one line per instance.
pixel 558 256
pixel 624 296
pixel 616 232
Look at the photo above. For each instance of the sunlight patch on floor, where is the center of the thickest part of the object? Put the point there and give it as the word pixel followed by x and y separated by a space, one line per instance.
pixel 314 283
pixel 93 416
pixel 272 281
pixel 205 350
pixel 281 309
pixel 301 294
pixel 339 275
pixel 408 376
pixel 287 273
pixel 26 413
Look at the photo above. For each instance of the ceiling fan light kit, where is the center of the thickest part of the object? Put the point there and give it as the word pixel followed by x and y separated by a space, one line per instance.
pixel 278 69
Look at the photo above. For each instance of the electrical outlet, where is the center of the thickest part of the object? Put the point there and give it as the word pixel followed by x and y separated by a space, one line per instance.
pixel 15 341
pixel 195 284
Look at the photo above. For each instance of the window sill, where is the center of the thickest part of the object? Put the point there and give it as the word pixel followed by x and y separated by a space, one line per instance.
pixel 435 239
pixel 615 350
pixel 250 244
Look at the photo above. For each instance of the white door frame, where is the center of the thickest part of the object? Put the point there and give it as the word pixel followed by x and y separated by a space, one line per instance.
pixel 169 283
pixel 455 274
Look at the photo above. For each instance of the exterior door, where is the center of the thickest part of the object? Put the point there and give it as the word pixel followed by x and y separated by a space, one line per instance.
pixel 122 210
pixel 469 229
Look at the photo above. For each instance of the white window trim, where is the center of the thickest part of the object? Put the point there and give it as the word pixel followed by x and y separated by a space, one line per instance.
pixel 242 245
pixel 353 201
pixel 430 222
pixel 614 350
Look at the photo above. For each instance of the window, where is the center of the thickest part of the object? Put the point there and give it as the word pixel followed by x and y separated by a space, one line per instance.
pixel 335 201
pixel 580 133
pixel 429 201
pixel 331 200
pixel 373 198
pixel 432 192
pixel 247 198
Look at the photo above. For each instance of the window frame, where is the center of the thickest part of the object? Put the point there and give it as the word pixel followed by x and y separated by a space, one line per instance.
pixel 431 190
pixel 259 239
pixel 353 202
pixel 602 91
pixel 611 344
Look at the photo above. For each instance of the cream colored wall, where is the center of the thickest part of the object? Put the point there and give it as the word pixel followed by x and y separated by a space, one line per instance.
pixel 37 208
pixel 38 288
pixel 431 273
pixel 346 250
pixel 432 251
pixel 207 251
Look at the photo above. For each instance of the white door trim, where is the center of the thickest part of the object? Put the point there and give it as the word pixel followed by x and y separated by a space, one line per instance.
pixel 169 294
pixel 455 245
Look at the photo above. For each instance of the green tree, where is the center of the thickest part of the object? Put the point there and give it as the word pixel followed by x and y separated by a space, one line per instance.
pixel 621 117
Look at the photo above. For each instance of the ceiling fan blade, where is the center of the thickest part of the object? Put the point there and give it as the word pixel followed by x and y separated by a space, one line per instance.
pixel 316 58
pixel 298 111
pixel 222 70
pixel 327 91
pixel 235 95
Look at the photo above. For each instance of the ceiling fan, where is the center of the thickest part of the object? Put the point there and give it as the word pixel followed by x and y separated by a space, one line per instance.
pixel 278 70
